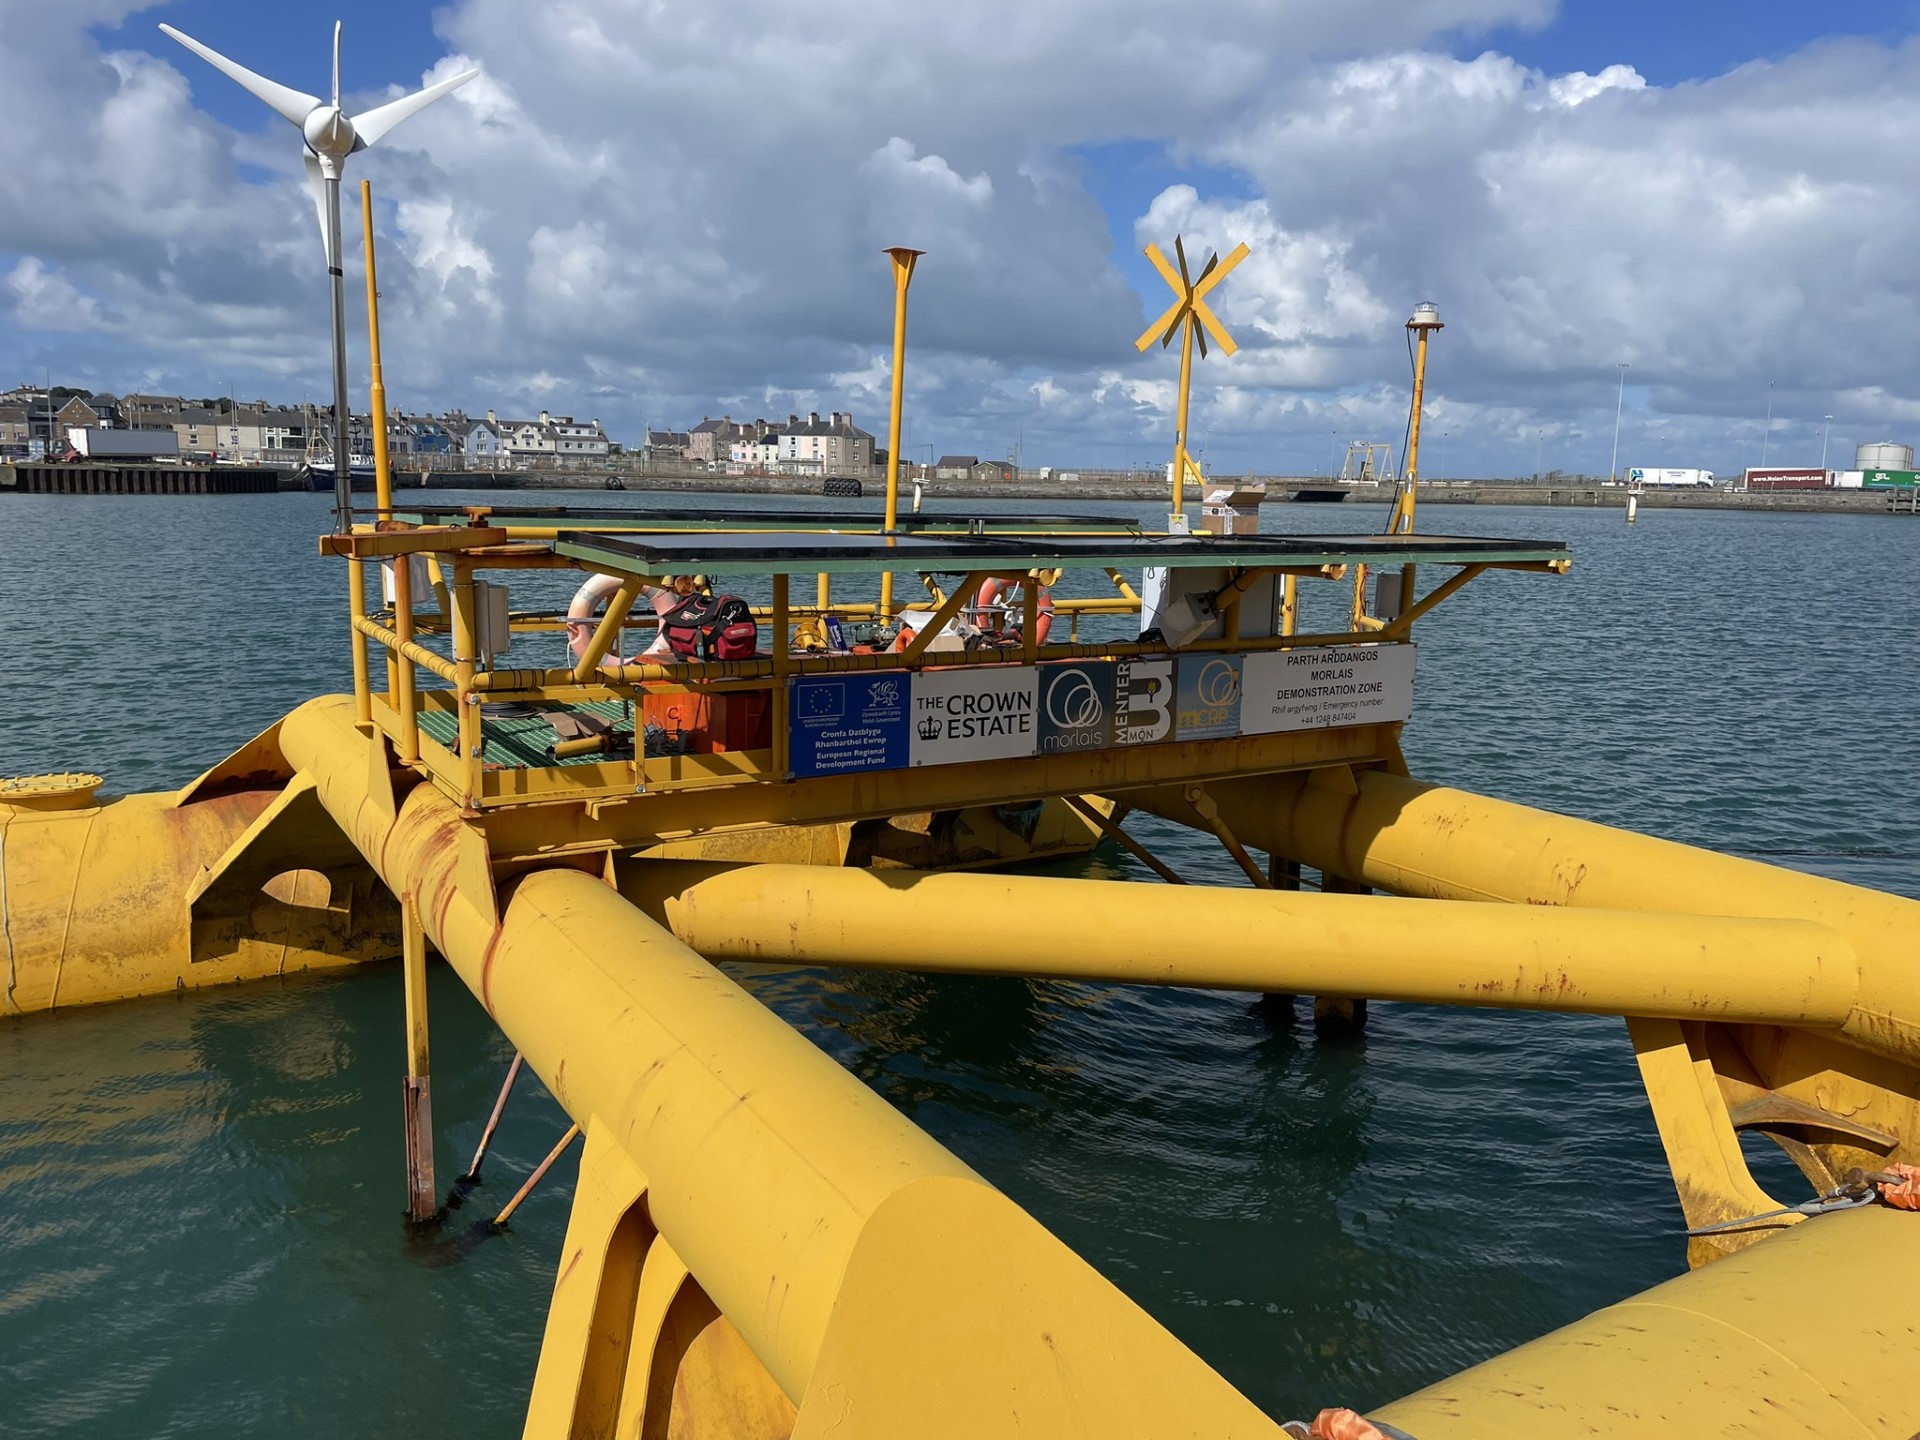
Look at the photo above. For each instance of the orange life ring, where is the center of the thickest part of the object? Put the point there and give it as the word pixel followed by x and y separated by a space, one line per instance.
pixel 993 589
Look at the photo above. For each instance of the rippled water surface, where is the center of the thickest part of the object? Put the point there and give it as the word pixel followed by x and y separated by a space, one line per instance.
pixel 199 1197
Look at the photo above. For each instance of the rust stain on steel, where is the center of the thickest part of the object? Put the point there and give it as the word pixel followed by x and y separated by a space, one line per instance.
pixel 227 786
pixel 442 901
pixel 486 971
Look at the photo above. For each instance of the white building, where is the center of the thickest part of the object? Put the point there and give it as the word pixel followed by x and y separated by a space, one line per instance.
pixel 575 440
pixel 834 446
pixel 528 439
pixel 755 454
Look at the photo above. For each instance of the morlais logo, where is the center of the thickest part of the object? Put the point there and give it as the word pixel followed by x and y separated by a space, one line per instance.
pixel 1073 702
pixel 1219 683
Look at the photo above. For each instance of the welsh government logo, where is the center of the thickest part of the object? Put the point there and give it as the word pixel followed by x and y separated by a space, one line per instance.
pixel 930 728
pixel 1219 683
pixel 884 692
pixel 1074 702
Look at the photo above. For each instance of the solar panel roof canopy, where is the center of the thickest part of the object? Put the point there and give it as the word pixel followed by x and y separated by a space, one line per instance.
pixel 597 517
pixel 772 552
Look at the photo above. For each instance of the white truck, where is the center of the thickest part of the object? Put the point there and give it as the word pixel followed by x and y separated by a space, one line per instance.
pixel 1671 479
pixel 93 443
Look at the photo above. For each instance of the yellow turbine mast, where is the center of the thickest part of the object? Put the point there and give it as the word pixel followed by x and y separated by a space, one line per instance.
pixel 1190 319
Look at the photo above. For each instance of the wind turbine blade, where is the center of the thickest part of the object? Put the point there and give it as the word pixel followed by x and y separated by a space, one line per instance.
pixel 1207 269
pixel 317 184
pixel 1200 334
pixel 1213 327
pixel 1167 272
pixel 376 122
pixel 1161 327
pixel 1179 320
pixel 336 64
pixel 290 104
pixel 1181 251
pixel 1207 282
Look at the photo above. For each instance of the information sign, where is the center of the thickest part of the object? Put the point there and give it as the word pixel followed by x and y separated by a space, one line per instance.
pixel 974 712
pixel 1076 706
pixel 1319 689
pixel 1142 701
pixel 842 723
pixel 884 721
pixel 1207 700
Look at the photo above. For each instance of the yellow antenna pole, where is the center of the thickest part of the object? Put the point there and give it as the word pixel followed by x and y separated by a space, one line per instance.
pixel 1426 320
pixel 1180 421
pixel 903 262
pixel 377 398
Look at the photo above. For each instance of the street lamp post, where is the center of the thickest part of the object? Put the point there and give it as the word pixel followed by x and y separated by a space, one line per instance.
pixel 1539 439
pixel 1824 436
pixel 1613 470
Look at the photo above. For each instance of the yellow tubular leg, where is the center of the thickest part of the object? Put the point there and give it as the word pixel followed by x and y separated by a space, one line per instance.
pixel 1411 838
pixel 1261 940
pixel 849 1251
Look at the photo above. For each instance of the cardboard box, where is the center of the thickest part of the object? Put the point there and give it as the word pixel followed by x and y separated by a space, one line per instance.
pixel 1232 511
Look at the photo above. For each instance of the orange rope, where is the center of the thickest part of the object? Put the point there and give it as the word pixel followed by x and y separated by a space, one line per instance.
pixel 1904 1191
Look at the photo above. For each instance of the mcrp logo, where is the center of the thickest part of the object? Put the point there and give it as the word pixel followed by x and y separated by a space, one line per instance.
pixel 1218 684
pixel 1073 703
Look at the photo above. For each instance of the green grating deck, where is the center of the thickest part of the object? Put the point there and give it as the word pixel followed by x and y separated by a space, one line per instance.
pixel 520 741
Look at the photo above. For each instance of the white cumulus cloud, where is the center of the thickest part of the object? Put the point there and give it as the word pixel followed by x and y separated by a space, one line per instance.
pixel 651 212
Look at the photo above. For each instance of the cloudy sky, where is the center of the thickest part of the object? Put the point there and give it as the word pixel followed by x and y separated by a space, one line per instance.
pixel 652 210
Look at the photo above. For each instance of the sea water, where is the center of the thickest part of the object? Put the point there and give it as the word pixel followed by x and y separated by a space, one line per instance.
pixel 200 1196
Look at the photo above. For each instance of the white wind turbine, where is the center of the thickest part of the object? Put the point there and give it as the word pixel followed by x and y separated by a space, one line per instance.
pixel 331 135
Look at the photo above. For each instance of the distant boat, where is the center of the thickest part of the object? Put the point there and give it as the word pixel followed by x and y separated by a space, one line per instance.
pixel 317 474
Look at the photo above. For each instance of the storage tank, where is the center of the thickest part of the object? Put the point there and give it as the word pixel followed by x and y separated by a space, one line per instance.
pixel 1883 455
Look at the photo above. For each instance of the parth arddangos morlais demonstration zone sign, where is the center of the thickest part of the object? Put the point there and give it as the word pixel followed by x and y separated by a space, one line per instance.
pixel 893 719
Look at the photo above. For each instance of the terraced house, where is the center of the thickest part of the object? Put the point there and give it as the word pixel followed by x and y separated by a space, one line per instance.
pixel 834 446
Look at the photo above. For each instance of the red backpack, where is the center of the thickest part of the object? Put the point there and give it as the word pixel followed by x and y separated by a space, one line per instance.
pixel 711 627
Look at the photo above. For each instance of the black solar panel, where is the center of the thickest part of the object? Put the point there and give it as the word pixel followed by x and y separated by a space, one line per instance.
pixel 729 552
pixel 594 516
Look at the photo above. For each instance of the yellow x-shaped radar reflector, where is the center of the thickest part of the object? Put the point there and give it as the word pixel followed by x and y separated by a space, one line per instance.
pixel 1191 297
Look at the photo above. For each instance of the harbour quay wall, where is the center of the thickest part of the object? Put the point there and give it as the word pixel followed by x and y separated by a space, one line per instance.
pixel 1143 487
pixel 1116 487
pixel 97 479
pixel 1140 487
pixel 1495 492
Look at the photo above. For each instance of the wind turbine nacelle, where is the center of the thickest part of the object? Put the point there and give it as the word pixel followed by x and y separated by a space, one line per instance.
pixel 329 133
